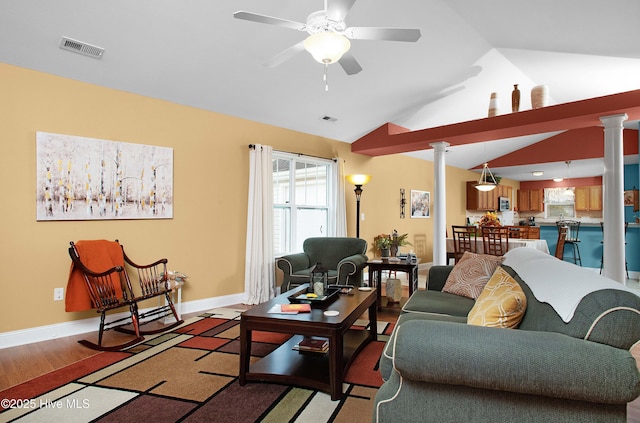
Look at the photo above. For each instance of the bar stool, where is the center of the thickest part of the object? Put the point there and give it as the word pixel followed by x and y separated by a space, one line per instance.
pixel 626 267
pixel 573 227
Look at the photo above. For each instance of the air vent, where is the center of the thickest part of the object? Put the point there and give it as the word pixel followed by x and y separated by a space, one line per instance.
pixel 329 119
pixel 81 47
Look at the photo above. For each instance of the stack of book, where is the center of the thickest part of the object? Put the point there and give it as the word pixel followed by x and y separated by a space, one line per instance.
pixel 290 308
pixel 318 345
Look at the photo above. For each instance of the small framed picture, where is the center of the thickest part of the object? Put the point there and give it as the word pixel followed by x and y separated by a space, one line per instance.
pixel 631 198
pixel 420 204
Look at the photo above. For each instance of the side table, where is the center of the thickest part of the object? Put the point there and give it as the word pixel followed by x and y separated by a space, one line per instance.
pixel 377 266
pixel 176 297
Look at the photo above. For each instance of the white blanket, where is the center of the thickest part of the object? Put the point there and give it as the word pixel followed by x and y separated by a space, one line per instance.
pixel 555 282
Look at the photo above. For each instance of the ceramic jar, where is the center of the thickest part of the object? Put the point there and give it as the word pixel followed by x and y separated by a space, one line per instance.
pixel 539 96
pixel 493 104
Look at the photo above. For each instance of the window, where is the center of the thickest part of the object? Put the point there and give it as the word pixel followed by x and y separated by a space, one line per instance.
pixel 559 203
pixel 302 190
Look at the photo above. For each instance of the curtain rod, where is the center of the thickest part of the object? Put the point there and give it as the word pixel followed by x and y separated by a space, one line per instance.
pixel 253 146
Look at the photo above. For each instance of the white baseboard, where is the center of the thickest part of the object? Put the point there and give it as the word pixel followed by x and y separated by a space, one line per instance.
pixel 77 327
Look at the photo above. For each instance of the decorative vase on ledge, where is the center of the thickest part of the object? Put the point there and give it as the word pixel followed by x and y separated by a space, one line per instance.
pixel 539 96
pixel 515 98
pixel 493 104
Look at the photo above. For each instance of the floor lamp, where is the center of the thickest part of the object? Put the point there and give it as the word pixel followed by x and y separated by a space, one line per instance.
pixel 358 181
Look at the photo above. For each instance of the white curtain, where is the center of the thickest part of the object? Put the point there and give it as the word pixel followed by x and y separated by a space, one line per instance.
pixel 259 273
pixel 339 201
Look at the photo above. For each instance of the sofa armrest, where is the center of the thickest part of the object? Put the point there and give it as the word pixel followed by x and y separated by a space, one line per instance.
pixel 437 277
pixel 512 360
pixel 350 266
pixel 292 263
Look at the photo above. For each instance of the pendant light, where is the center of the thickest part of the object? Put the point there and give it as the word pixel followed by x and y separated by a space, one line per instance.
pixel 568 191
pixel 487 181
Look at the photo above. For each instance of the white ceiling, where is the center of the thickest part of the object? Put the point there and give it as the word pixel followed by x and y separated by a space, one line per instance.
pixel 195 53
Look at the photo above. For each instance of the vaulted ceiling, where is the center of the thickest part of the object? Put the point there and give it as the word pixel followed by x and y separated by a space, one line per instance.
pixel 195 53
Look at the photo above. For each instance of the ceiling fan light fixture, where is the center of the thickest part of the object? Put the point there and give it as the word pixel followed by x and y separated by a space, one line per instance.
pixel 327 47
pixel 487 181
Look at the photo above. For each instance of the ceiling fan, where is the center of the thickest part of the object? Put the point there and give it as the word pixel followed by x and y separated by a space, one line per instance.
pixel 328 40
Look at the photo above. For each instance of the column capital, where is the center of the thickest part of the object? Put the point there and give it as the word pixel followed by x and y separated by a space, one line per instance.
pixel 613 121
pixel 440 145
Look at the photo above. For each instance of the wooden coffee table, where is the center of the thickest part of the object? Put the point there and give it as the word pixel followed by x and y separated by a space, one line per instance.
pixel 324 372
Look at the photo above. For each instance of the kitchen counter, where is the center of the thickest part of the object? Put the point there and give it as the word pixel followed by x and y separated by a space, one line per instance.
pixel 583 223
pixel 590 245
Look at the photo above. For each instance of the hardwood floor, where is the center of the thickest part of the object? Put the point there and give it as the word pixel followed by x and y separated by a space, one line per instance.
pixel 25 362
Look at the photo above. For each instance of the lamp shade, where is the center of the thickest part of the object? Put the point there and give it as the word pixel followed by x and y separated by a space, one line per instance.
pixel 487 182
pixel 485 186
pixel 327 47
pixel 358 179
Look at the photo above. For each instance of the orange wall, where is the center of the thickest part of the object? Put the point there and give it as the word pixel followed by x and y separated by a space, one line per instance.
pixel 206 237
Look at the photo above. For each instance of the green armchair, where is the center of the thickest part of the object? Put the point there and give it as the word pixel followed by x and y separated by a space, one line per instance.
pixel 343 257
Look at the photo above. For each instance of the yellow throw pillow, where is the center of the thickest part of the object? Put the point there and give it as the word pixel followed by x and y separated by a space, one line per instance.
pixel 501 304
pixel 469 276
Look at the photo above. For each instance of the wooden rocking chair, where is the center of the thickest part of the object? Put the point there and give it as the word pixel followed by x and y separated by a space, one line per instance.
pixel 103 266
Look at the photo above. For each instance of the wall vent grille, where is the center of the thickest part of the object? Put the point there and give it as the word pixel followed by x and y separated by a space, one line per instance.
pixel 81 47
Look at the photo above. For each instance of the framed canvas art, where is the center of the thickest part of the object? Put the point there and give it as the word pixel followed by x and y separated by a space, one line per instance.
pixel 420 204
pixel 80 178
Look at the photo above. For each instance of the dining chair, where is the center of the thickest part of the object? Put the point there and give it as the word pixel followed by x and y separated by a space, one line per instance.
pixel 562 236
pixel 463 240
pixel 573 227
pixel 495 240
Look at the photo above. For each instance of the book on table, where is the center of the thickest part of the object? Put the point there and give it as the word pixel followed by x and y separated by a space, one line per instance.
pixel 290 308
pixel 313 344
pixel 300 308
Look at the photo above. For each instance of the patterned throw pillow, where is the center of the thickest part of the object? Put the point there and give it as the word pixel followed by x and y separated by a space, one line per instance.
pixel 501 304
pixel 471 274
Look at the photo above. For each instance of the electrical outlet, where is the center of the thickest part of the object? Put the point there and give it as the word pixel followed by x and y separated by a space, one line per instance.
pixel 58 294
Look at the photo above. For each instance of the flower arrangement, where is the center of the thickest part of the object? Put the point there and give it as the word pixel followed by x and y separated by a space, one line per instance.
pixel 489 219
pixel 382 241
pixel 391 241
pixel 174 278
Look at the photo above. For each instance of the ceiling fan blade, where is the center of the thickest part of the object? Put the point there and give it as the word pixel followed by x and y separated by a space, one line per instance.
pixel 350 64
pixel 388 34
pixel 284 55
pixel 337 9
pixel 270 20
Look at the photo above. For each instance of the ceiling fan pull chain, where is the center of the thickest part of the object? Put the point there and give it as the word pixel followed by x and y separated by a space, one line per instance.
pixel 326 77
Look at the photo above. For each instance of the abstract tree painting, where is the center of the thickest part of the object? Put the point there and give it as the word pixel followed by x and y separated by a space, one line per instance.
pixel 82 178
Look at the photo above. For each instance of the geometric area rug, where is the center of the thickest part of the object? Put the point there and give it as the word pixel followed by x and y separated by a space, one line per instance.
pixel 190 374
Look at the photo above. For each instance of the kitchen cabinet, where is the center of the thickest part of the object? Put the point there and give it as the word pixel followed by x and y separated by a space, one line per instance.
pixel 479 200
pixel 530 200
pixel 504 191
pixel 589 198
pixel 486 200
pixel 534 232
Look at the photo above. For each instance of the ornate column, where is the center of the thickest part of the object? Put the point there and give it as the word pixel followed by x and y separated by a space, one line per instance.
pixel 439 203
pixel 613 198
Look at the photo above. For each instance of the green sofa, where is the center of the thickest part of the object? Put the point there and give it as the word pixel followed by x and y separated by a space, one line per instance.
pixel 563 363
pixel 343 257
